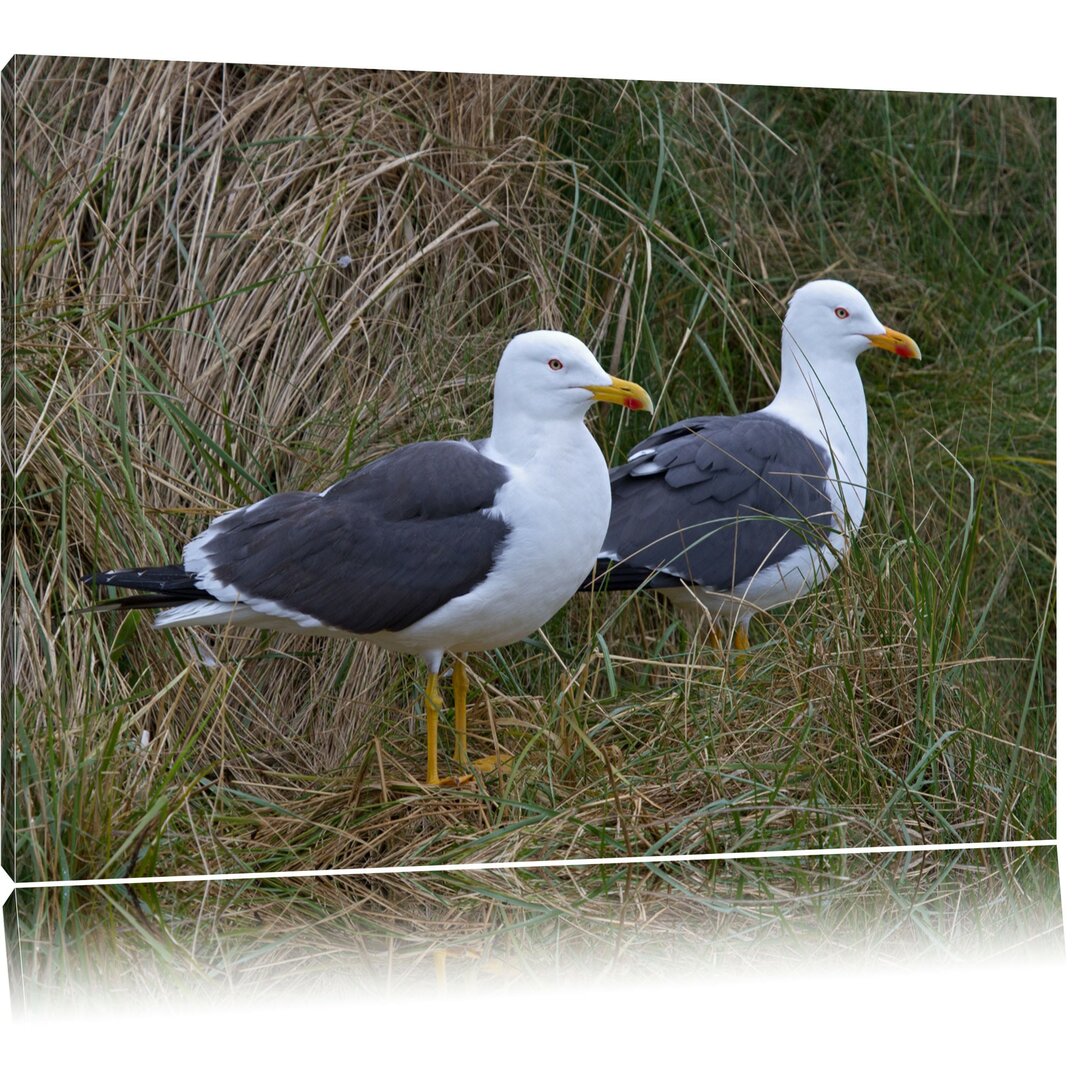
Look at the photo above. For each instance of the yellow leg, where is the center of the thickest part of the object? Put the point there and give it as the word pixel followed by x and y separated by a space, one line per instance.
pixel 742 643
pixel 461 688
pixel 432 704
pixel 742 638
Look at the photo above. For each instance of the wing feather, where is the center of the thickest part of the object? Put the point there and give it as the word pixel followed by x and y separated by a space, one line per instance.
pixel 713 500
pixel 379 550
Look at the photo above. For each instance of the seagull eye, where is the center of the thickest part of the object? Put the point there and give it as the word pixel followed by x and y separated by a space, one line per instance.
pixel 841 312
pixel 555 364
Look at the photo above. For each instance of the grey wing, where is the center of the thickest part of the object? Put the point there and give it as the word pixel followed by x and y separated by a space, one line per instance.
pixel 713 500
pixel 379 550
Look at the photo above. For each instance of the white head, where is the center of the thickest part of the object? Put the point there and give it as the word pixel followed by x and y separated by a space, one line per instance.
pixel 830 321
pixel 546 375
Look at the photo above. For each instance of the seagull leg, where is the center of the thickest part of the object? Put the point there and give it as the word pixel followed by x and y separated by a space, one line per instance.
pixel 739 645
pixel 461 687
pixel 432 703
pixel 742 643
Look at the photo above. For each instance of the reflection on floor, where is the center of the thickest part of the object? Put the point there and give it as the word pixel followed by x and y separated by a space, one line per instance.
pixel 445 932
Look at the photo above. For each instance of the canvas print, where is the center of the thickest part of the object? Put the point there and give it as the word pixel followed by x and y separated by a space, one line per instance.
pixel 411 469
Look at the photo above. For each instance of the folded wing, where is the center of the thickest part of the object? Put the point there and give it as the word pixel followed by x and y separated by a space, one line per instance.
pixel 711 501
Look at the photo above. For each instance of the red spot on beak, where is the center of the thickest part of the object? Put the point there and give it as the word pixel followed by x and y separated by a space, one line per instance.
pixel 632 403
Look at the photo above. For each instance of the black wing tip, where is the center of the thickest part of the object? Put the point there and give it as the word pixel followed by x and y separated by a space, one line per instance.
pixel 611 576
pixel 157 586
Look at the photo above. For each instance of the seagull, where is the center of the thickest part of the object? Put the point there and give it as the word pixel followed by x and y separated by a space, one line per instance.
pixel 732 515
pixel 435 548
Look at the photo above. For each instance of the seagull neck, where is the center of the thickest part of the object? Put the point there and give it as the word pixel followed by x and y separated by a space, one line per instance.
pixel 826 397
pixel 518 437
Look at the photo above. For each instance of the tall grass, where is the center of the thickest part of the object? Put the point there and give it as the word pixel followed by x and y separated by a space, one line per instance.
pixel 223 281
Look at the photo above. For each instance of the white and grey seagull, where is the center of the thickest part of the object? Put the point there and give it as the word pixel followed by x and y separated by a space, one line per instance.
pixel 733 515
pixel 438 547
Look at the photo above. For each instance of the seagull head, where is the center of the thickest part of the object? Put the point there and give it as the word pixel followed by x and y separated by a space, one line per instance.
pixel 832 321
pixel 549 375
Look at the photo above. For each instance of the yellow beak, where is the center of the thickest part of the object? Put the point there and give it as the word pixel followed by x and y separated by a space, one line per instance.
pixel 895 342
pixel 622 392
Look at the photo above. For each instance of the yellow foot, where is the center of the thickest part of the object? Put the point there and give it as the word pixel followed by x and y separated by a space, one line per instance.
pixel 493 763
pixel 452 781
